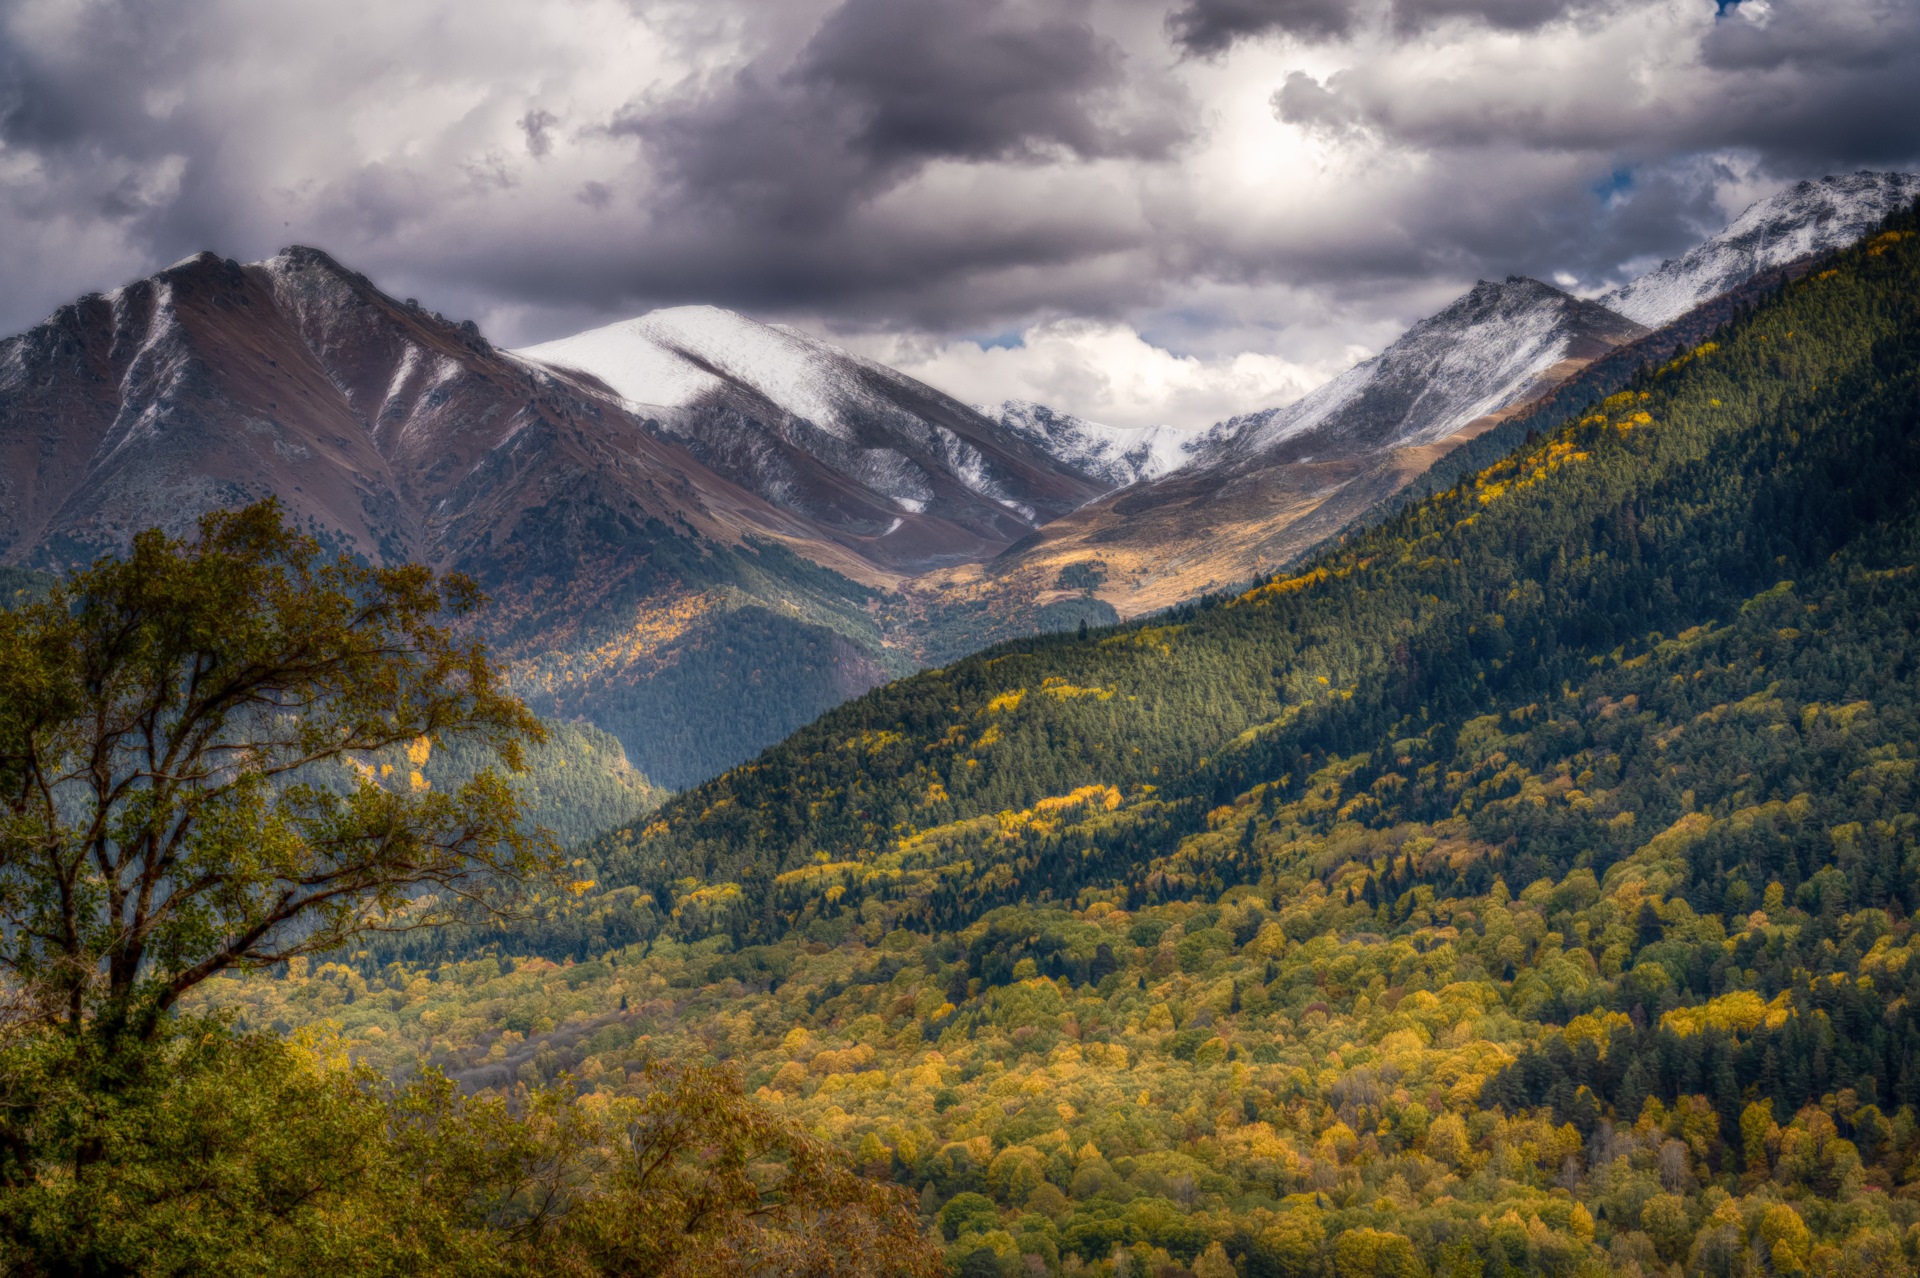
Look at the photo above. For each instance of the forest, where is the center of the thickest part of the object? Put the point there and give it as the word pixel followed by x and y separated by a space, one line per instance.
pixel 1525 885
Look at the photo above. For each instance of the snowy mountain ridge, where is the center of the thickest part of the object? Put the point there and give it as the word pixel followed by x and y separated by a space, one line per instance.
pixel 1121 455
pixel 1807 217
pixel 679 356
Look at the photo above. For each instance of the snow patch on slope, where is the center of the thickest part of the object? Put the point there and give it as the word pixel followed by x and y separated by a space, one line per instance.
pixel 1120 455
pixel 633 362
pixel 1808 217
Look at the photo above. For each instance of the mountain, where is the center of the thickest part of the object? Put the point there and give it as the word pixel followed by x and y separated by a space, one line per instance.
pixel 644 577
pixel 1807 217
pixel 1526 885
pixel 1598 380
pixel 1549 569
pixel 1119 455
pixel 907 475
pixel 1256 491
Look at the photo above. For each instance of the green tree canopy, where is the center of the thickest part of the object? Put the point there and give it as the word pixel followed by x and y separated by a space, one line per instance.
pixel 163 812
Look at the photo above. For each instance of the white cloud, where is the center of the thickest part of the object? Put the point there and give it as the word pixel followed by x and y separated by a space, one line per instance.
pixel 546 165
pixel 1104 372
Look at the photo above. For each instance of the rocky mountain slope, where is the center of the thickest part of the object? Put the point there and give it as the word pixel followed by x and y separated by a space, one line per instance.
pixel 644 576
pixel 1807 217
pixel 1496 346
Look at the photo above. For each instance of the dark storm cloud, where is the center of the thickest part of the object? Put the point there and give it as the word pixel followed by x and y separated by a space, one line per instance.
pixel 1210 27
pixel 536 125
pixel 983 81
pixel 886 86
pixel 100 94
pixel 84 98
pixel 1305 101
pixel 1504 15
pixel 1814 38
pixel 933 166
pixel 1806 83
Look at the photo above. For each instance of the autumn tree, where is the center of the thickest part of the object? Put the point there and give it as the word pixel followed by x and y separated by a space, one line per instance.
pixel 175 800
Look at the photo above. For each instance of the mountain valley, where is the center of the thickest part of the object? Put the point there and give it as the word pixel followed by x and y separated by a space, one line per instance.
pixel 1525 884
pixel 960 639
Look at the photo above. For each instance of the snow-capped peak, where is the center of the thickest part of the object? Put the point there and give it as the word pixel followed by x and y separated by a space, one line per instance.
pixel 686 355
pixel 1807 217
pixel 1120 455
pixel 794 418
pixel 1482 353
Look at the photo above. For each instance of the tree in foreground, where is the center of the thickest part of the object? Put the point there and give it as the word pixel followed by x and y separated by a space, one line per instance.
pixel 174 733
pixel 183 793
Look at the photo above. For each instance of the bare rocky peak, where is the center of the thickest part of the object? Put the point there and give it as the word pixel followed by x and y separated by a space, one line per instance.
pixel 182 392
pixel 396 433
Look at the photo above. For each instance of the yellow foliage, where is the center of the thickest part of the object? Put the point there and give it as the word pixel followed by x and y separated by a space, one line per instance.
pixel 872 742
pixel 1556 455
pixel 813 874
pixel 1741 1010
pixel 1061 690
pixel 1597 1029
pixel 1784 1237
pixel 654 625
pixel 851 1060
pixel 1372 1253
pixel 1447 1140
pixel 1288 586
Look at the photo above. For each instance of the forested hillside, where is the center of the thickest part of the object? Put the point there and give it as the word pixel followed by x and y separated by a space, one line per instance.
pixel 575 784
pixel 1737 512
pixel 21 585
pixel 1526 886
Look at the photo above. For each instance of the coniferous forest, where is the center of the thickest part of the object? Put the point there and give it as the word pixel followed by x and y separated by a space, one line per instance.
pixel 1524 885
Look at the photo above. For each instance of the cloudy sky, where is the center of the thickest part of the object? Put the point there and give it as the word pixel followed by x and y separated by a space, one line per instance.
pixel 1139 210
